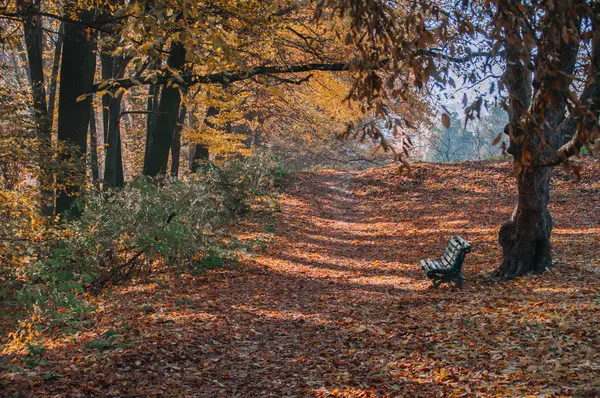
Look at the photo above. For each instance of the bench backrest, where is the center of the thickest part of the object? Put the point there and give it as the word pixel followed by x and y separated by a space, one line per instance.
pixel 454 255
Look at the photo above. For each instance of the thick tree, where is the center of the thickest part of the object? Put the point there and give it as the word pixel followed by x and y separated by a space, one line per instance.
pixel 76 78
pixel 544 113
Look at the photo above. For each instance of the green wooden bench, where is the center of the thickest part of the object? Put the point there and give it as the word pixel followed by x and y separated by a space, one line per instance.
pixel 448 268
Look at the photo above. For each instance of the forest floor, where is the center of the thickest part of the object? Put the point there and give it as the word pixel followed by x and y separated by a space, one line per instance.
pixel 337 304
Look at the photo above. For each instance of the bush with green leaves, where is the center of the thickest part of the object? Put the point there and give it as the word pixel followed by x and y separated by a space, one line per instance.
pixel 176 222
pixel 238 182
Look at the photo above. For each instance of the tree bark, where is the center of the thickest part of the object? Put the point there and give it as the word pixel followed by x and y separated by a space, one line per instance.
pixel 151 108
pixel 94 146
pixel 33 42
pixel 176 143
pixel 113 162
pixel 107 73
pixel 161 135
pixel 54 75
pixel 535 117
pixel 113 67
pixel 76 77
pixel 525 240
pixel 200 153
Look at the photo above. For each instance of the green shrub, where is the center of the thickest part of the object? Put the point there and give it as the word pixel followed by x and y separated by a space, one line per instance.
pixel 238 182
pixel 99 344
pixel 175 222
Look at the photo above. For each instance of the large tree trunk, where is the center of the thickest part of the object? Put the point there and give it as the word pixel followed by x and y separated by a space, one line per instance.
pixel 76 77
pixel 33 42
pixel 537 109
pixel 525 240
pixel 161 133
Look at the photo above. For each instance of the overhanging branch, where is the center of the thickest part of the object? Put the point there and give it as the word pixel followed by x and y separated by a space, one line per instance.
pixel 579 129
pixel 223 78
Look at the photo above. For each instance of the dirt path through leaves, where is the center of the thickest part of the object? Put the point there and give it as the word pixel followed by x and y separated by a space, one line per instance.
pixel 337 305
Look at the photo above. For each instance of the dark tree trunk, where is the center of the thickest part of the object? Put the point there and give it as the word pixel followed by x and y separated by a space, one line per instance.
pixel 33 42
pixel 113 67
pixel 525 240
pixel 538 106
pixel 76 77
pixel 113 162
pixel 151 108
pixel 161 133
pixel 176 144
pixel 199 155
pixel 252 134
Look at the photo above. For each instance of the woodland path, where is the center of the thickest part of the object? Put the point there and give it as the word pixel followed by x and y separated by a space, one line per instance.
pixel 338 306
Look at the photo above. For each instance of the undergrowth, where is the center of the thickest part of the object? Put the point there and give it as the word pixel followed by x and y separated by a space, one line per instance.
pixel 148 225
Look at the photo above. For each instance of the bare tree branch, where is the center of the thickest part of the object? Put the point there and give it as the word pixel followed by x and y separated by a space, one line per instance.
pixel 224 78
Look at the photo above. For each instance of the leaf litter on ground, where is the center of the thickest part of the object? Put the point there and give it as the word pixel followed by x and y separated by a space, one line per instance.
pixel 336 304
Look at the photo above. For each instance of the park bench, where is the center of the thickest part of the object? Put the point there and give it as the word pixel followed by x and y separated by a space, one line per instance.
pixel 448 268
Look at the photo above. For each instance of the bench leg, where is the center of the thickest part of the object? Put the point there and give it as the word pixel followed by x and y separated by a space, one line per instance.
pixel 460 281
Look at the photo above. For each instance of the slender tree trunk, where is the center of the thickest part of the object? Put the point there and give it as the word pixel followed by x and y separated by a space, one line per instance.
pixel 200 154
pixel 111 109
pixel 525 239
pixel 113 163
pixel 107 63
pixel 76 76
pixel 199 157
pixel 33 42
pixel 54 75
pixel 151 108
pixel 176 143
pixel 113 67
pixel 17 69
pixel 21 54
pixel 94 146
pixel 257 132
pixel 161 134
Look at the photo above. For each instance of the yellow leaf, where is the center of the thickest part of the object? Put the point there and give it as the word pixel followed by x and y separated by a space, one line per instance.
pixel 443 373
pixel 276 91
